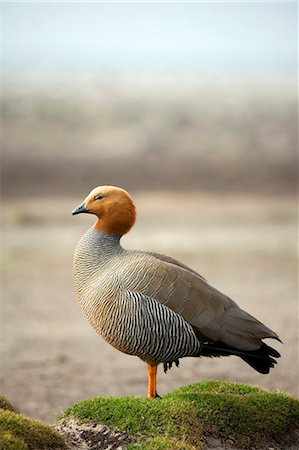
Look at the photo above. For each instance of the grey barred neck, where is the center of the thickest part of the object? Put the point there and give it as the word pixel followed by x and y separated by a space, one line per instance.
pixel 103 243
pixel 96 247
pixel 106 241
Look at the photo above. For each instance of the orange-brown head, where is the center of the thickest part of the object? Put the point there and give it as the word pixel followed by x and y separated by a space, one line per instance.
pixel 114 208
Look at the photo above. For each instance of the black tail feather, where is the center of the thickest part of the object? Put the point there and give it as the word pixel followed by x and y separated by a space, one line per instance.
pixel 261 360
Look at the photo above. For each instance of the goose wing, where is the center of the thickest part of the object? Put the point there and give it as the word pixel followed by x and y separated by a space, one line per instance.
pixel 212 315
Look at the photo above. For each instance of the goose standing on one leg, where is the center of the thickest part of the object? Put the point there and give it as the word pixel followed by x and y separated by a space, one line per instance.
pixel 152 306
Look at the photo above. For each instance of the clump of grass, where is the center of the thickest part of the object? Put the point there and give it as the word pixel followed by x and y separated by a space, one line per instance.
pixel 163 443
pixel 10 442
pixel 245 415
pixel 21 433
pixel 5 404
pixel 242 413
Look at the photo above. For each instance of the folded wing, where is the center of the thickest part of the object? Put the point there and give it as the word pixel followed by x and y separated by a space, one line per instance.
pixel 212 315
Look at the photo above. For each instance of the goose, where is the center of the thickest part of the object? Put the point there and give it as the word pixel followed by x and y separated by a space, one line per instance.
pixel 152 306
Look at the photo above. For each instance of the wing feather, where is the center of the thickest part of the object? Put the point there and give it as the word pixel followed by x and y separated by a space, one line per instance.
pixel 214 315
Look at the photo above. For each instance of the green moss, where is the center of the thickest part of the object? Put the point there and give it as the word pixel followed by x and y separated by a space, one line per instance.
pixel 5 404
pixel 21 433
pixel 11 442
pixel 244 414
pixel 164 443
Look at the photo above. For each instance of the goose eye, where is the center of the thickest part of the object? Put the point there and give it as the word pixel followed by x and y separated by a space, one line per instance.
pixel 98 197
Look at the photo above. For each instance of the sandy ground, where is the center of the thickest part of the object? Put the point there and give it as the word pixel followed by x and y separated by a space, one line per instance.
pixel 51 357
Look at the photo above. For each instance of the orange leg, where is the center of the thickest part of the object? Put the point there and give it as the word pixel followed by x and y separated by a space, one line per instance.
pixel 152 381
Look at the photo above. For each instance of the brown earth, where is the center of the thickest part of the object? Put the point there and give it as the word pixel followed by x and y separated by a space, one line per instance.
pixel 51 358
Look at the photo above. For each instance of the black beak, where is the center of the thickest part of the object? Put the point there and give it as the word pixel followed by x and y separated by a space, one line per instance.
pixel 80 209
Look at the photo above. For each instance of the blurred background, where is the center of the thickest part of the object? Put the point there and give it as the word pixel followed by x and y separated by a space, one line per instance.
pixel 192 107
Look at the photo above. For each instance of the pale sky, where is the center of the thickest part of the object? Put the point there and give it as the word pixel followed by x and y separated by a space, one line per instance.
pixel 170 36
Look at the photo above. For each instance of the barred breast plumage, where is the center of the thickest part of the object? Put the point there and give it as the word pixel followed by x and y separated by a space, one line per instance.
pixel 152 306
pixel 119 301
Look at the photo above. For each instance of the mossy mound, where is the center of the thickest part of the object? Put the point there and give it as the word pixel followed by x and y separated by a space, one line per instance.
pixel 245 415
pixel 21 433
pixel 5 404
